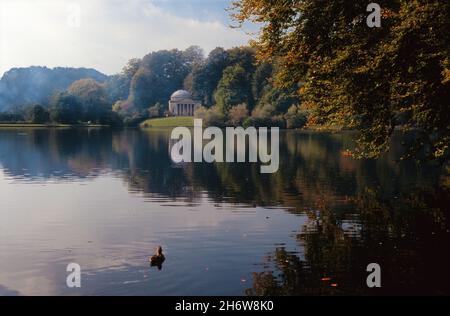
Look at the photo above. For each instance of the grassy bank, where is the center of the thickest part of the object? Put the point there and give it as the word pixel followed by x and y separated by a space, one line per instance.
pixel 169 122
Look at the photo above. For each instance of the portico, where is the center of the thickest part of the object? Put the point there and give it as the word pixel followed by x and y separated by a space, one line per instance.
pixel 184 109
pixel 182 104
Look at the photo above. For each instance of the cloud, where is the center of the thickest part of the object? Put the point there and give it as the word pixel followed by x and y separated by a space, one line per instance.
pixel 46 32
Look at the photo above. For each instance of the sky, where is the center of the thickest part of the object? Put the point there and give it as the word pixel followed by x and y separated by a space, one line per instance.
pixel 105 34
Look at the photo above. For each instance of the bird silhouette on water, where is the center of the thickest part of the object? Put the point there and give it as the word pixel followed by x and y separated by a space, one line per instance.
pixel 157 259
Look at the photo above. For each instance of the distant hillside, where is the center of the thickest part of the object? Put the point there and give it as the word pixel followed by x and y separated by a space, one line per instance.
pixel 22 86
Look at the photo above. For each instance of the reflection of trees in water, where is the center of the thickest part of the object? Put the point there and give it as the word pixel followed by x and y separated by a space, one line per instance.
pixel 300 156
pixel 148 167
pixel 311 166
pixel 54 153
pixel 408 236
pixel 358 212
pixel 312 169
pixel 141 160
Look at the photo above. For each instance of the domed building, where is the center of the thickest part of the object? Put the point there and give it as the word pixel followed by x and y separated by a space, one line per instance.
pixel 182 104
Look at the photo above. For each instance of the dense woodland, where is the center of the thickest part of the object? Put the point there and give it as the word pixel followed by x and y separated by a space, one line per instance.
pixel 233 87
pixel 313 63
pixel 231 84
pixel 374 80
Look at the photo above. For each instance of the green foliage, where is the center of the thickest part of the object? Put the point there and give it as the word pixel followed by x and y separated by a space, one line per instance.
pixel 37 114
pixel 125 108
pixel 144 88
pixel 206 77
pixel 358 77
pixel 8 117
pixel 280 98
pixel 247 122
pixel 118 86
pixel 265 115
pixel 232 88
pixel 243 56
pixel 200 112
pixel 93 99
pixel 295 117
pixel 193 55
pixel 112 119
pixel 156 111
pixel 133 121
pixel 213 116
pixel 65 108
pixel 158 75
pixel 238 114
pixel 225 79
pixel 262 79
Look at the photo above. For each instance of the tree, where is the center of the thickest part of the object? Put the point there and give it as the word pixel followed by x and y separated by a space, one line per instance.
pixel 200 112
pixel 232 88
pixel 145 88
pixel 280 98
pixel 10 117
pixel 238 114
pixel 244 56
pixel 261 79
pixel 214 117
pixel 295 117
pixel 93 99
pixel 263 115
pixel 37 114
pixel 193 55
pixel 361 77
pixel 65 108
pixel 156 111
pixel 211 117
pixel 159 75
pixel 118 86
pixel 205 77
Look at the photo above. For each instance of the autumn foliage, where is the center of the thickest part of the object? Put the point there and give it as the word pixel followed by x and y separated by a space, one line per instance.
pixel 373 79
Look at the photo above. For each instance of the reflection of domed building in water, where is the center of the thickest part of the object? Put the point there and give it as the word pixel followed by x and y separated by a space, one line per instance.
pixel 182 104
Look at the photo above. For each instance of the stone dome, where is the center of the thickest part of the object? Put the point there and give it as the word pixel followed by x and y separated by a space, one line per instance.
pixel 180 95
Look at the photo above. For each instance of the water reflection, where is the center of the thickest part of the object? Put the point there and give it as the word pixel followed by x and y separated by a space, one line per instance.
pixel 407 236
pixel 349 213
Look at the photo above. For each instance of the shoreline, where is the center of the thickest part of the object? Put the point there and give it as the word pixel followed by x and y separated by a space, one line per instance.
pixel 32 125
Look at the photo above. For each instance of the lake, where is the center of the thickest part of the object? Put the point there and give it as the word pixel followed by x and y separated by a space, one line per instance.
pixel 106 199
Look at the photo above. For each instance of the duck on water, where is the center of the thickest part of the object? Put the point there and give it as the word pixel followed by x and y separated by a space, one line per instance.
pixel 157 259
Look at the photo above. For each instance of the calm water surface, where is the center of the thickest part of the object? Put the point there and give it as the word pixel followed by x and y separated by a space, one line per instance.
pixel 107 199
